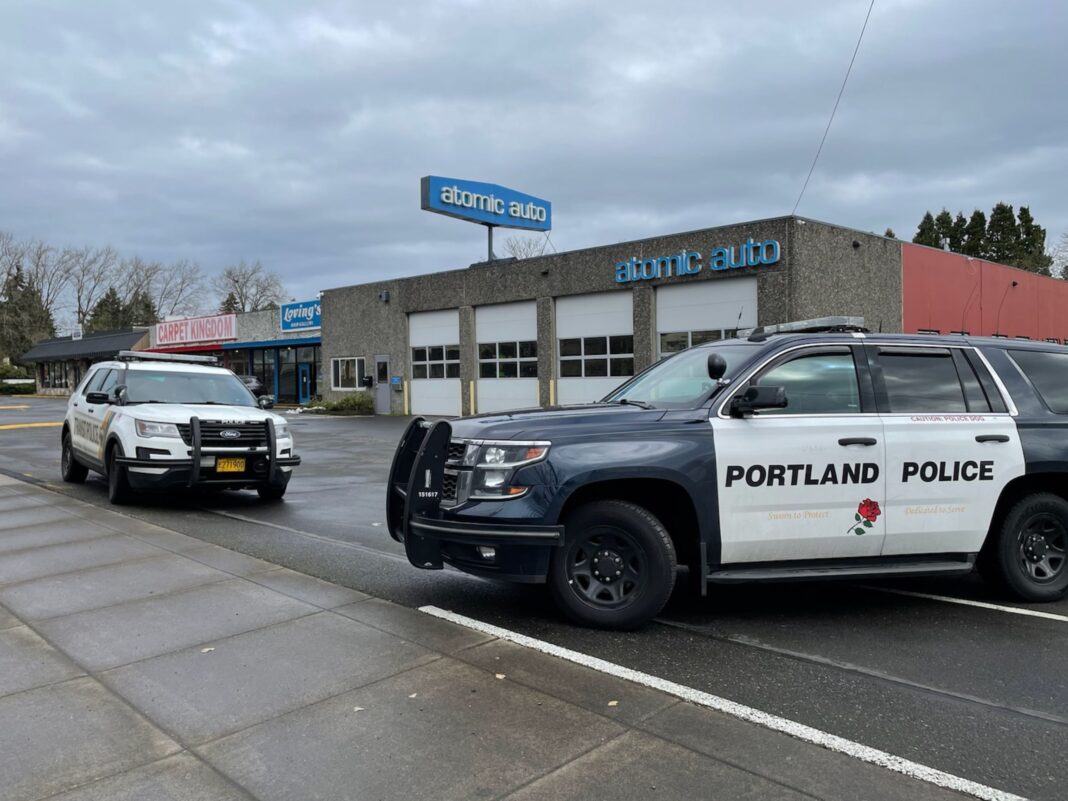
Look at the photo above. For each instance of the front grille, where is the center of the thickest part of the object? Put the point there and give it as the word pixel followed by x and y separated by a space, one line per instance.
pixel 249 435
pixel 448 486
pixel 456 451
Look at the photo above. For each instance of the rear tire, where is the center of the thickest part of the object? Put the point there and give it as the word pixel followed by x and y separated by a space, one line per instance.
pixel 1030 557
pixel 72 471
pixel 119 492
pixel 271 493
pixel 617 567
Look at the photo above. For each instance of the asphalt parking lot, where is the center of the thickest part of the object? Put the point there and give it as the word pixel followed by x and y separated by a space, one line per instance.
pixel 976 691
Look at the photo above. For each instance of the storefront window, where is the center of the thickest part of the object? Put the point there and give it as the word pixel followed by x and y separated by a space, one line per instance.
pixel 237 360
pixel 597 357
pixel 347 373
pixel 263 368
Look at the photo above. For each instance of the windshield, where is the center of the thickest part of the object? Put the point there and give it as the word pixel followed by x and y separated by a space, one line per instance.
pixel 681 381
pixel 162 386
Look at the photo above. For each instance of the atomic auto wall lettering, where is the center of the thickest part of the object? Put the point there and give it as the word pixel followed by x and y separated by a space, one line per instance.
pixel 688 262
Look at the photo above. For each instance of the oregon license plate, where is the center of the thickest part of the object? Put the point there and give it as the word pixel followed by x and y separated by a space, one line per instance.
pixel 230 466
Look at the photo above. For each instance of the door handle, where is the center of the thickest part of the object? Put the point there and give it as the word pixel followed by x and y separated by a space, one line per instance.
pixel 857 441
pixel 992 438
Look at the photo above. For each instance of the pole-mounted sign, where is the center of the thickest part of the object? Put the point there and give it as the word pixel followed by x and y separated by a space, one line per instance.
pixel 488 204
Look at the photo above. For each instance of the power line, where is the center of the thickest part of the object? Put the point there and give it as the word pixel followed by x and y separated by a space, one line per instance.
pixel 841 91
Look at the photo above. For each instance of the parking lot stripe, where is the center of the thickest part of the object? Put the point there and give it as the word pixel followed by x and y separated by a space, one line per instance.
pixel 949 599
pixel 31 425
pixel 800 731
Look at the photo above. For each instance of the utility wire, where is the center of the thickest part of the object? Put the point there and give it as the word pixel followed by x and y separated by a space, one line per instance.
pixel 841 91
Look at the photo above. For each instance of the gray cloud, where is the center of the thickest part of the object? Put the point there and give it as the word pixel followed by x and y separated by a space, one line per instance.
pixel 296 133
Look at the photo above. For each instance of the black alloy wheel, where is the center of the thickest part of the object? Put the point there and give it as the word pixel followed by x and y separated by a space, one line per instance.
pixel 616 569
pixel 1031 556
pixel 119 491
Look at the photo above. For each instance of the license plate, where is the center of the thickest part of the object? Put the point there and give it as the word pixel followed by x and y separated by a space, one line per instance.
pixel 230 466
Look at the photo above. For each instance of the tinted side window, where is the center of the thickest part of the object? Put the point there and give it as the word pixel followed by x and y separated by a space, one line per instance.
pixel 921 380
pixel 816 383
pixel 1049 374
pixel 94 382
pixel 111 381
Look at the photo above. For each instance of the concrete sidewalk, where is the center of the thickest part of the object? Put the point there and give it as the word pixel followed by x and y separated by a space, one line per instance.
pixel 137 663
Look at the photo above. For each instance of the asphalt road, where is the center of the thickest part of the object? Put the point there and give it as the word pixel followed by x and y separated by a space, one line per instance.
pixel 981 693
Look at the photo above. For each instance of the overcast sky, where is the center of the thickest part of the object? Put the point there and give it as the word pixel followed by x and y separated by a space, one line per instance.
pixel 296 133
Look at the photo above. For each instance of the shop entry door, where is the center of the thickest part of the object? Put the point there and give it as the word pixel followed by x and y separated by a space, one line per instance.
pixel 303 383
pixel 382 385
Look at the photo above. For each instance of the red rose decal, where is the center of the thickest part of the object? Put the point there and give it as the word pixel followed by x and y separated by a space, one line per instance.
pixel 867 513
pixel 869 510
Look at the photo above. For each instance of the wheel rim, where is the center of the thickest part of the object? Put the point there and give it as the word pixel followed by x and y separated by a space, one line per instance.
pixel 606 568
pixel 1043 548
pixel 65 456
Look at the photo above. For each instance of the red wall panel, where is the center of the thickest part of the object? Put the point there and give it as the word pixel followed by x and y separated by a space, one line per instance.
pixel 950 292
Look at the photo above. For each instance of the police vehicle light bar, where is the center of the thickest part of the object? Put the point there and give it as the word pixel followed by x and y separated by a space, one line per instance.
pixel 145 356
pixel 820 325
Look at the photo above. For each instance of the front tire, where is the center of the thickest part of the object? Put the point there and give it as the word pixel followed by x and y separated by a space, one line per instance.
pixel 617 567
pixel 119 492
pixel 72 471
pixel 271 492
pixel 1031 554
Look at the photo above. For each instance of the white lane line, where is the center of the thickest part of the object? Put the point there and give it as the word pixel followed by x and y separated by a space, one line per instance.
pixel 949 599
pixel 800 731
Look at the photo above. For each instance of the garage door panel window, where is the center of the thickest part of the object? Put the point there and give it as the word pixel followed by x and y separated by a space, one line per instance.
pixel 508 359
pixel 436 361
pixel 674 341
pixel 597 357
pixel 816 383
pixel 347 373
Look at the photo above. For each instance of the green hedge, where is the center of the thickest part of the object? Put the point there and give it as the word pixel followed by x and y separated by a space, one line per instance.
pixel 355 403
pixel 17 389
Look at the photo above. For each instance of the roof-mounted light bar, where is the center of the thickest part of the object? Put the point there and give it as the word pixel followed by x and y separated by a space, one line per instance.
pixel 181 358
pixel 820 325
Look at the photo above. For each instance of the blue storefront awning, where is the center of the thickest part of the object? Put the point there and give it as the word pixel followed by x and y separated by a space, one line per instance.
pixel 274 343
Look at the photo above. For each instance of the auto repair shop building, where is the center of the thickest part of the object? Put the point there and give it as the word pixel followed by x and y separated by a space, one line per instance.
pixel 568 327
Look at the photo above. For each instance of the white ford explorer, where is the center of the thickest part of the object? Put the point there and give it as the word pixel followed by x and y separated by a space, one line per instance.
pixel 160 421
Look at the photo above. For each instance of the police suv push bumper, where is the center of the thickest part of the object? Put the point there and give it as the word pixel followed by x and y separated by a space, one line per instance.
pixel 176 472
pixel 433 535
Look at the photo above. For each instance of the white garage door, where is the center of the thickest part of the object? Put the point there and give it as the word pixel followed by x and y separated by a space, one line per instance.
pixel 434 338
pixel 594 345
pixel 507 340
pixel 703 311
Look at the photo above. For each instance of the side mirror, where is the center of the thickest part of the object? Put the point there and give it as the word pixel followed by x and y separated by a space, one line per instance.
pixel 265 402
pixel 97 397
pixel 717 366
pixel 757 398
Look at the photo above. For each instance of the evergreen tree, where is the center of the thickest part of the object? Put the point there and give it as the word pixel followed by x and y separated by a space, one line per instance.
pixel 1031 254
pixel 889 234
pixel 926 233
pixel 108 314
pixel 24 318
pixel 230 305
pixel 944 228
pixel 1002 235
pixel 956 235
pixel 974 243
pixel 141 310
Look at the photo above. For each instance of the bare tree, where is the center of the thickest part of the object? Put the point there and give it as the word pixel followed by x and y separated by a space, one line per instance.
pixel 524 247
pixel 1060 257
pixel 253 286
pixel 178 288
pixel 11 255
pixel 91 270
pixel 135 276
pixel 50 273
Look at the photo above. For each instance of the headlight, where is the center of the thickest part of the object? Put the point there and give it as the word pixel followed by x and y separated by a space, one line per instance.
pixel 495 465
pixel 146 428
pixel 281 430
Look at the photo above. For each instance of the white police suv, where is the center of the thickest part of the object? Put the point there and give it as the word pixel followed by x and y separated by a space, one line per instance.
pixel 159 421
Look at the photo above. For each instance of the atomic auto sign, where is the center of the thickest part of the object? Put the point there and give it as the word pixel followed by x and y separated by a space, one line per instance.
pixel 488 204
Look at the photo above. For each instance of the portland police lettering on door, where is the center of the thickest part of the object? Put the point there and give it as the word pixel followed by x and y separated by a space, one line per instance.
pixel 792 475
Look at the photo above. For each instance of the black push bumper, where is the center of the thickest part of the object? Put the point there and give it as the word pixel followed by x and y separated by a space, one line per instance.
pixel 431 537
pixel 262 468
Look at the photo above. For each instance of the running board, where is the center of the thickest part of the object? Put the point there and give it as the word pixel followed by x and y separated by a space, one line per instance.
pixel 823 572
